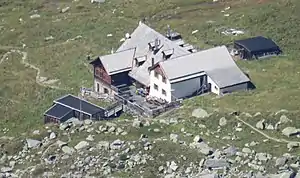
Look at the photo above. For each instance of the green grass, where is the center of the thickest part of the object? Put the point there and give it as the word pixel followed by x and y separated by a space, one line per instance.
pixel 23 101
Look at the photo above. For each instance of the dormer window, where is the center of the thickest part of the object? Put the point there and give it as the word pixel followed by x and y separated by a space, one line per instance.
pixel 167 53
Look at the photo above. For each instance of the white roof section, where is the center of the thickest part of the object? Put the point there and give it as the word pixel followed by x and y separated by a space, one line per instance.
pixel 215 62
pixel 118 62
pixel 140 38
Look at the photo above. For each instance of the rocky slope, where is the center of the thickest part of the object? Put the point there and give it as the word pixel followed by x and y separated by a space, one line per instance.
pixel 205 145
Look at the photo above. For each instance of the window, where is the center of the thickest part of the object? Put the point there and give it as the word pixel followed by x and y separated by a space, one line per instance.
pixel 155 87
pixel 163 92
pixel 164 79
pixel 156 74
pixel 106 91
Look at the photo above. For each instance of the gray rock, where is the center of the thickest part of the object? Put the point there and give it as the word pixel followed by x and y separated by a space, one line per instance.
pixel 287 174
pixel 68 150
pixel 262 156
pixel 103 144
pixel 137 124
pixel 173 166
pixel 36 132
pixel 6 169
pixel 216 163
pixel 202 147
pixel 52 136
pixel 65 9
pixel 81 145
pixel 88 122
pixel 116 145
pixel 35 16
pixel 60 144
pixel 292 145
pixel 174 137
pixel 64 126
pixel 260 124
pixel 98 1
pixel 48 38
pixel 74 121
pixel 246 150
pixel 270 127
pixel 156 130
pixel 284 119
pixel 290 131
pixel 222 121
pixel 90 138
pixel 199 113
pixel 197 139
pixel 33 143
pixel 281 161
pixel 230 151
pixel 161 169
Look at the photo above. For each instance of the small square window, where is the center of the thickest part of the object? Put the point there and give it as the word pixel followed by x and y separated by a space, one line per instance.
pixel 155 87
pixel 156 74
pixel 163 92
pixel 164 79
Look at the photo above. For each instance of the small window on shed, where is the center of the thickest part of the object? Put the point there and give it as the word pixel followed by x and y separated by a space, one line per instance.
pixel 156 74
pixel 164 79
pixel 155 87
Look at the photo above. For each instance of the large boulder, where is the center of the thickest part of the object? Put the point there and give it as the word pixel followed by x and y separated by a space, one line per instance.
pixel 260 124
pixel 199 113
pixel 81 145
pixel 222 121
pixel 31 143
pixel 216 163
pixel 290 131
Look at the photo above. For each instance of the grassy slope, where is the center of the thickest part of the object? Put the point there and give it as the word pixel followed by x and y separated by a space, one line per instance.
pixel 23 101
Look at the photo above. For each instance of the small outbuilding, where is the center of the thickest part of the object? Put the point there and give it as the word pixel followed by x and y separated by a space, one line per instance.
pixel 256 48
pixel 70 106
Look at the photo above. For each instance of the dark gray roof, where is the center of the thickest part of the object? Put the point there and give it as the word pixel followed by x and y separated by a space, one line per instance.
pixel 57 111
pixel 215 62
pixel 140 38
pixel 257 44
pixel 118 62
pixel 78 104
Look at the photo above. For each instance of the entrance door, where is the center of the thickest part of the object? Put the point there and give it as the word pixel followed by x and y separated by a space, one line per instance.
pixel 106 90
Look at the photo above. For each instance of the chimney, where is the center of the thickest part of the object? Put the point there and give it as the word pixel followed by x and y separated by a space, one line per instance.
pixel 156 43
pixel 152 62
pixel 169 32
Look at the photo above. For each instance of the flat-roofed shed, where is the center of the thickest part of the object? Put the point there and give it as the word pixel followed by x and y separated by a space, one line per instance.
pixel 256 47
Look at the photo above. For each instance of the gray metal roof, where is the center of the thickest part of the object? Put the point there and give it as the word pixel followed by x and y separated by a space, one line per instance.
pixel 140 38
pixel 119 61
pixel 216 62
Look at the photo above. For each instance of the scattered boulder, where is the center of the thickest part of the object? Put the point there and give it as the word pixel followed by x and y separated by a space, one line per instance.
pixel 284 119
pixel 246 150
pixel 6 169
pixel 35 16
pixel 33 143
pixel 199 113
pixel 81 145
pixel 103 144
pixel 270 127
pixel 216 163
pixel 52 136
pixel 222 121
pixel 137 124
pixel 292 145
pixel 260 124
pixel 65 9
pixel 230 151
pixel 281 161
pixel 48 38
pixel 174 137
pixel 173 166
pixel 197 139
pixel 290 131
pixel 67 150
pixel 98 1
